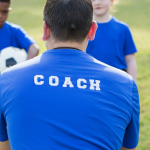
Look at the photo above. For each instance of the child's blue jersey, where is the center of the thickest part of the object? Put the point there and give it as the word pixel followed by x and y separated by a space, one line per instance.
pixel 14 35
pixel 113 41
pixel 67 100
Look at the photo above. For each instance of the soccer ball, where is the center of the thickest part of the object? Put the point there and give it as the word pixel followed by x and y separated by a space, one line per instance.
pixel 11 56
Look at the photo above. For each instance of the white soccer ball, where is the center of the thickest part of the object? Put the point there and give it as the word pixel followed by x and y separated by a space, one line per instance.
pixel 11 56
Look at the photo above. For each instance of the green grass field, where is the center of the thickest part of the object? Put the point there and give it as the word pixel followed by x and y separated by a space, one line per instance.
pixel 136 14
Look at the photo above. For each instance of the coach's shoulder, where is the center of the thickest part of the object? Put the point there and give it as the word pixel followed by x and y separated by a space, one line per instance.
pixel 22 67
pixel 121 77
pixel 114 74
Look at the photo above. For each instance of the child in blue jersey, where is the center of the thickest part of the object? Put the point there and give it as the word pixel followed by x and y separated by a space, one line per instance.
pixel 113 43
pixel 13 35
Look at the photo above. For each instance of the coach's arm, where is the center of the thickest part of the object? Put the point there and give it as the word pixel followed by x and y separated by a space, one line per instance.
pixel 33 51
pixel 5 145
pixel 123 148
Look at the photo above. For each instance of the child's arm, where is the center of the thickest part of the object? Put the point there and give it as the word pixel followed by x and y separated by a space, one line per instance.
pixel 33 51
pixel 26 42
pixel 131 65
pixel 123 148
pixel 5 145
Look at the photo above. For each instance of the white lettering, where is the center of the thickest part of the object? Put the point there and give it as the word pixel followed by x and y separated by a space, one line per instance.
pixel 92 84
pixel 36 80
pixel 79 84
pixel 53 80
pixel 68 82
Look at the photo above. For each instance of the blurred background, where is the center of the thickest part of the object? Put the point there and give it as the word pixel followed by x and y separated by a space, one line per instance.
pixel 136 13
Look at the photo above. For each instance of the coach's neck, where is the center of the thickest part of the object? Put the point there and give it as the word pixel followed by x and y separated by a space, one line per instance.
pixel 81 46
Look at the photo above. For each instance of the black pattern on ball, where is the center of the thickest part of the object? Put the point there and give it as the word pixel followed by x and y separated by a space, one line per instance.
pixel 10 62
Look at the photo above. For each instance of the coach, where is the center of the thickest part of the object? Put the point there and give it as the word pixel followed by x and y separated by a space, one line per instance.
pixel 65 99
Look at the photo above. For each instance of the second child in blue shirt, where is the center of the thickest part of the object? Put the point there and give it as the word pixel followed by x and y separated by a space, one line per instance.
pixel 113 43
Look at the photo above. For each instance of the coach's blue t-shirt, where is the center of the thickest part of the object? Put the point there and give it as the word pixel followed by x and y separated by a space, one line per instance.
pixel 65 99
pixel 113 41
pixel 14 35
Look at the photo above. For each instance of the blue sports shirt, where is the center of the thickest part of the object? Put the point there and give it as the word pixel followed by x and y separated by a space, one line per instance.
pixel 113 41
pixel 65 99
pixel 14 35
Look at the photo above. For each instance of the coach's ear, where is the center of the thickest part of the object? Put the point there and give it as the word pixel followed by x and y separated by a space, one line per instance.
pixel 46 31
pixel 91 34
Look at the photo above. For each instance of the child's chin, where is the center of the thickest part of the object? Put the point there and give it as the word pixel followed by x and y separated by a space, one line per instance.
pixel 99 13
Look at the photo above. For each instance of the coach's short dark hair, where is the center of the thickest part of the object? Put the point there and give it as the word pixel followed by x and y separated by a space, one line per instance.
pixel 6 1
pixel 69 20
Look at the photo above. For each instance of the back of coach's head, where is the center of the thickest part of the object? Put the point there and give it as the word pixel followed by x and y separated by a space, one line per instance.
pixel 68 20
